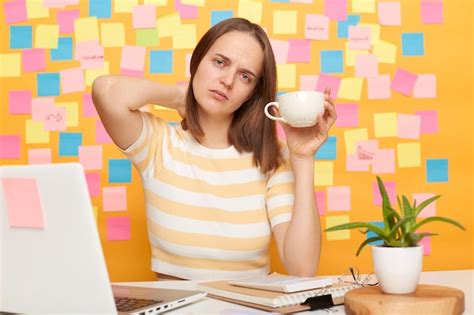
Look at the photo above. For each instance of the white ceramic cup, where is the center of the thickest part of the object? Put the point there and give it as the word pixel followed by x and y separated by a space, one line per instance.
pixel 298 109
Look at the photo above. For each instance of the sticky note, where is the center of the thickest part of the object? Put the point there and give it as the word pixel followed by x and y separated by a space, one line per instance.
pixel 378 87
pixel 351 88
pixel 323 173
pixel 64 50
pixel 72 113
pixel 47 84
pixel 409 154
pixel 35 9
pixel 286 76
pixel 114 198
pixel 308 82
pixel 199 3
pixel 337 220
pixel 390 187
pixel 428 121
pixel 409 126
pixel 219 16
pixel 371 234
pixel 363 6
pixel 374 30
pixel 147 37
pixel 366 66
pixel 351 137
pixel 366 150
pixel 90 54
pixel 186 11
pixel 384 162
pixel 39 156
pixel 33 60
pixel 69 143
pixel 133 58
pixel 316 27
pixel 360 38
pixel 124 6
pixel 250 10
pixel 413 44
pixel 72 80
pixel 429 210
pixel 100 8
pixel 328 81
pixel 328 151
pixel 285 22
pixel 46 36
pixel 343 25
pixel 10 146
pixel 350 55
pixel 118 228
pixel 188 65
pixel 86 29
pixel 386 52
pixel 432 12
pixel 15 12
pixel 426 244
pixel 425 86
pixel 355 165
pixel 300 50
pixel 160 3
pixel 347 115
pixel 385 125
pixel 389 13
pixel 94 210
pixel 93 183
pixel 437 170
pixel 185 37
pixel 101 135
pixel 55 118
pixel 336 9
pixel 24 210
pixel 90 156
pixel 40 106
pixel 161 61
pixel 65 20
pixel 19 102
pixel 144 16
pixel 167 24
pixel 404 81
pixel 112 34
pixel 35 132
pixel 21 36
pixel 281 49
pixel 92 74
pixel 88 107
pixel 331 61
pixel 339 198
pixel 320 202
pixel 120 171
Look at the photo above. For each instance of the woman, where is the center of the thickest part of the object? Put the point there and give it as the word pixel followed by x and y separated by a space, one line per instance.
pixel 217 186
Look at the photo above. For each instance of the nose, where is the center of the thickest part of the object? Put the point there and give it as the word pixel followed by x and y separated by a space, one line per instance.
pixel 227 78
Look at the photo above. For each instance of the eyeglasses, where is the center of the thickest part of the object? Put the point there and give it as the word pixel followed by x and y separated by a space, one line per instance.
pixel 352 276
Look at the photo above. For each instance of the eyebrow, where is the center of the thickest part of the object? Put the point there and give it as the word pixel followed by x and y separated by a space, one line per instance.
pixel 227 59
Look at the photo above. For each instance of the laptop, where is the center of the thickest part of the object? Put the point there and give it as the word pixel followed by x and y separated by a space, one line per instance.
pixel 51 259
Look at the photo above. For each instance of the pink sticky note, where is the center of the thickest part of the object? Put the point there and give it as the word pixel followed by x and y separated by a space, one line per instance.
pixel 39 156
pixel 336 9
pixel 118 228
pixel 33 60
pixel 316 27
pixel 188 65
pixel 133 58
pixel 10 146
pixel 55 118
pixel 280 50
pixel 355 165
pixel 308 82
pixel 15 11
pixel 280 132
pixel 347 115
pixel 55 3
pixel 425 86
pixel 90 54
pixel 320 202
pixel 404 81
pixel 40 107
pixel 186 11
pixel 101 135
pixel 365 150
pixel 114 198
pixel 339 198
pixel 432 12
pixel 299 51
pixel 144 16
pixel 19 102
pixel 409 126
pixel 429 121
pixel 426 243
pixel 65 20
pixel 378 87
pixel 91 157
pixel 93 183
pixel 392 195
pixel 384 162
pixel 429 210
pixel 366 65
pixel 72 80
pixel 359 37
pixel 327 81
pixel 389 13
pixel 23 203
pixel 88 108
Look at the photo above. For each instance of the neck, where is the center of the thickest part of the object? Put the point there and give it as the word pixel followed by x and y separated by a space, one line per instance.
pixel 215 131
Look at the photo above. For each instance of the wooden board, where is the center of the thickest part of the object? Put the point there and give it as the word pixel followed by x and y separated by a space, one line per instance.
pixel 427 299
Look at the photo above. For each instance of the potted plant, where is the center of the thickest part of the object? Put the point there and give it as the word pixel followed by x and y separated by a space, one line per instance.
pixel 398 261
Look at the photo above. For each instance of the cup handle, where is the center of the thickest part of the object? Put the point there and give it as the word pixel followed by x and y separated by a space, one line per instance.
pixel 270 115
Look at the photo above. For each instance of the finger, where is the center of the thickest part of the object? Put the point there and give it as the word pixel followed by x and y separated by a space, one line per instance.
pixel 330 115
pixel 322 127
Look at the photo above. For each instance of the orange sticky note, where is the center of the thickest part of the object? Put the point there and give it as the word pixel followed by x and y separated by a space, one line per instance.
pixel 23 203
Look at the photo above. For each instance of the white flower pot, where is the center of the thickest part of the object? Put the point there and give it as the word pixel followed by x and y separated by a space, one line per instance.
pixel 398 269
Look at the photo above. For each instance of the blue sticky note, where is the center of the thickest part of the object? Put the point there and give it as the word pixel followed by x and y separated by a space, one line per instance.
pixel 161 61
pixel 100 8
pixel 372 234
pixel 413 44
pixel 64 50
pixel 218 16
pixel 343 26
pixel 332 61
pixel 120 171
pixel 283 1
pixel 47 84
pixel 328 150
pixel 21 36
pixel 69 143
pixel 437 170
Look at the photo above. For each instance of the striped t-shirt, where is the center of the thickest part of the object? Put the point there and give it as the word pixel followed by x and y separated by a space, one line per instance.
pixel 210 212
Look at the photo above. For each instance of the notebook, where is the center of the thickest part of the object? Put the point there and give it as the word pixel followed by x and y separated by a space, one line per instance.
pixel 51 259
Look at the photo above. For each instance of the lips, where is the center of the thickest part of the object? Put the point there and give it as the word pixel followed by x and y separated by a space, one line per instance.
pixel 219 95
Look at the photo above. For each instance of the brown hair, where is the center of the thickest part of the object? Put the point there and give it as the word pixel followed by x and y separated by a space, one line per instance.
pixel 250 130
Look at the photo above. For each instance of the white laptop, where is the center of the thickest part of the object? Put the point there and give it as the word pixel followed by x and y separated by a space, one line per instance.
pixel 60 268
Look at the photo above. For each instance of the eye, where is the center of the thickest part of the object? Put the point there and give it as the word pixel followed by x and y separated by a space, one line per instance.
pixel 245 77
pixel 218 62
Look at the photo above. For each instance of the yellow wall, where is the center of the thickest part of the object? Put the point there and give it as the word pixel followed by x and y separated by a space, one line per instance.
pixel 448 55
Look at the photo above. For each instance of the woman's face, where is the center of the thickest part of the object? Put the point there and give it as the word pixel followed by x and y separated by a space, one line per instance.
pixel 228 73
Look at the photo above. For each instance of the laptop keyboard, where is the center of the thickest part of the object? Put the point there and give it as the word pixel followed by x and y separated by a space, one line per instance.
pixel 125 304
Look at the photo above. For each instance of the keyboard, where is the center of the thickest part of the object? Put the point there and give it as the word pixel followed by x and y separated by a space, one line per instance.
pixel 125 304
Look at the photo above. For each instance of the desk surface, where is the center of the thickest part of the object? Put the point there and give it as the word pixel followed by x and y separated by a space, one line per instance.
pixel 460 279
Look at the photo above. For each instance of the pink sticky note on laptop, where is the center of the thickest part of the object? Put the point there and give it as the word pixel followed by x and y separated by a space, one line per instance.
pixel 22 199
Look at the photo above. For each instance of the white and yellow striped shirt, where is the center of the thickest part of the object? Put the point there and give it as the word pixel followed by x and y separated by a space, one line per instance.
pixel 210 211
